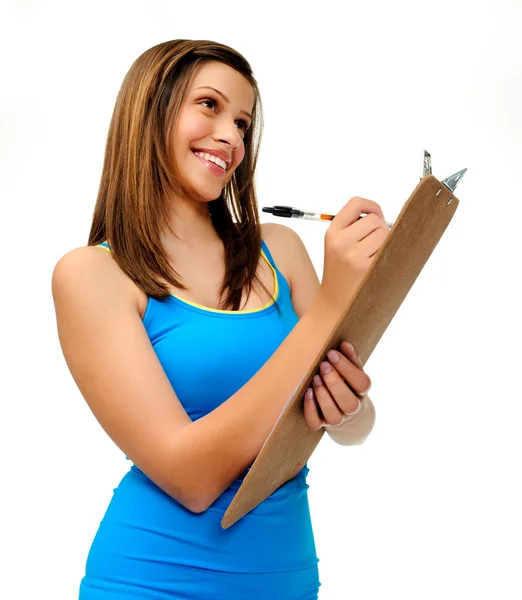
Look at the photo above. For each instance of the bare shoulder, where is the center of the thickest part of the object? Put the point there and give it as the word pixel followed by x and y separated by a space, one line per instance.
pixel 286 248
pixel 111 358
pixel 94 271
pixel 294 262
pixel 277 233
pixel 282 242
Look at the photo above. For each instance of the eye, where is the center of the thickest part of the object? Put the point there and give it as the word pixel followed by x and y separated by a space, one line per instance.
pixel 208 100
pixel 244 124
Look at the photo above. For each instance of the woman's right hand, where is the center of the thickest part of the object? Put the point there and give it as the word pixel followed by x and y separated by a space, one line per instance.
pixel 350 244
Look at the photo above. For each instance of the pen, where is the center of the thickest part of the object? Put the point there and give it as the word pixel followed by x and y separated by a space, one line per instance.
pixel 296 213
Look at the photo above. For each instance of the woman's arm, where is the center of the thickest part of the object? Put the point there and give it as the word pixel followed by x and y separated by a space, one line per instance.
pixel 285 245
pixel 111 359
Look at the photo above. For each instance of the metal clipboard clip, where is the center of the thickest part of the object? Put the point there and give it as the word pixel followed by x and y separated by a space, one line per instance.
pixel 450 182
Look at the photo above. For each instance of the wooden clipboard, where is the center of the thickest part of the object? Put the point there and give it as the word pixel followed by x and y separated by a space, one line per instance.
pixel 413 237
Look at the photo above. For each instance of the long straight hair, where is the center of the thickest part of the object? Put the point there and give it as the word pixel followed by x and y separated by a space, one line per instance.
pixel 139 177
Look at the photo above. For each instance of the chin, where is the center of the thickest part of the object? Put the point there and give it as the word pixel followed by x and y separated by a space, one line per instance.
pixel 205 191
pixel 204 196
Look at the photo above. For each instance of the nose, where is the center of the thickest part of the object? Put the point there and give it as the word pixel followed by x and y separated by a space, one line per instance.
pixel 228 132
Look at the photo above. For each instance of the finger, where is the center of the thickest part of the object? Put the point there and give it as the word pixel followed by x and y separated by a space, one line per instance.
pixel 353 209
pixel 354 376
pixel 352 353
pixel 313 418
pixel 339 390
pixel 373 242
pixel 367 225
pixel 332 412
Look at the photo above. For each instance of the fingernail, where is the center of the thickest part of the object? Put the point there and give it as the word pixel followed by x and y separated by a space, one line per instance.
pixel 333 356
pixel 362 394
pixel 325 367
pixel 317 380
pixel 350 347
pixel 356 352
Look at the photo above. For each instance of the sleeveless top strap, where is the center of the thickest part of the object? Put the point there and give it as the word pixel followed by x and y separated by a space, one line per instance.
pixel 265 249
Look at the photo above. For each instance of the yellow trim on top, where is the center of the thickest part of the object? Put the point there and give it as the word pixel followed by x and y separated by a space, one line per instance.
pixel 243 312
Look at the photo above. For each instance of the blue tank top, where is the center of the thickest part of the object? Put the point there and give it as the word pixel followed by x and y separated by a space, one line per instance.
pixel 208 355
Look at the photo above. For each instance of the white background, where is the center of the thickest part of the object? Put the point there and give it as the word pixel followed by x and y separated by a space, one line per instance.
pixel 429 506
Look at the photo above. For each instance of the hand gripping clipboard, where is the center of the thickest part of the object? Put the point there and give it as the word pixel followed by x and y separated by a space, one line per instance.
pixel 413 237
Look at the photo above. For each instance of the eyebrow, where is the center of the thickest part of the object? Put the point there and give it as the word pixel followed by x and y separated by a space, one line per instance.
pixel 208 87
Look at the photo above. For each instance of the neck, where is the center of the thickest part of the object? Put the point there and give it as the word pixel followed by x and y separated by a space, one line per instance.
pixel 190 231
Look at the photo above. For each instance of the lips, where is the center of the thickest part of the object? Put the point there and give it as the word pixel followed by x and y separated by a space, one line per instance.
pixel 211 166
pixel 217 153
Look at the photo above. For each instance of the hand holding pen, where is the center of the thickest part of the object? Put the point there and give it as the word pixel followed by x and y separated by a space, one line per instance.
pixel 450 182
pixel 350 243
pixel 296 213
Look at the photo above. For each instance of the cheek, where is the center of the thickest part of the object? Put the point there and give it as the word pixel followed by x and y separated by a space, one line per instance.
pixel 239 155
pixel 192 128
pixel 198 130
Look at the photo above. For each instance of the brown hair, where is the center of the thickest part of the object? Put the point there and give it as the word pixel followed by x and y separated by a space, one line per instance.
pixel 138 176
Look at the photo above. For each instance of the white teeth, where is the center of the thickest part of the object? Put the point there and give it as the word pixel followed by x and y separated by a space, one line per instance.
pixel 212 158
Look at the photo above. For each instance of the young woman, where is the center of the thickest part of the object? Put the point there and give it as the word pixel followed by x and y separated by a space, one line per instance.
pixel 187 325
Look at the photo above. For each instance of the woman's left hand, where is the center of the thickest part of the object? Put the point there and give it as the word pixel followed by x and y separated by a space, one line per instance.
pixel 337 390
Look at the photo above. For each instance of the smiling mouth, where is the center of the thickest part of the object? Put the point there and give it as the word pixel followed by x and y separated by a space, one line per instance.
pixel 211 166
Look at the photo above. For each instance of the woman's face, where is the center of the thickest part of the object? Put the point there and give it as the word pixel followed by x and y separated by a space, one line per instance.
pixel 212 121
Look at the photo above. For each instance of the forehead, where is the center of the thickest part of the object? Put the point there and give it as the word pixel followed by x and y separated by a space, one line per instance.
pixel 227 80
